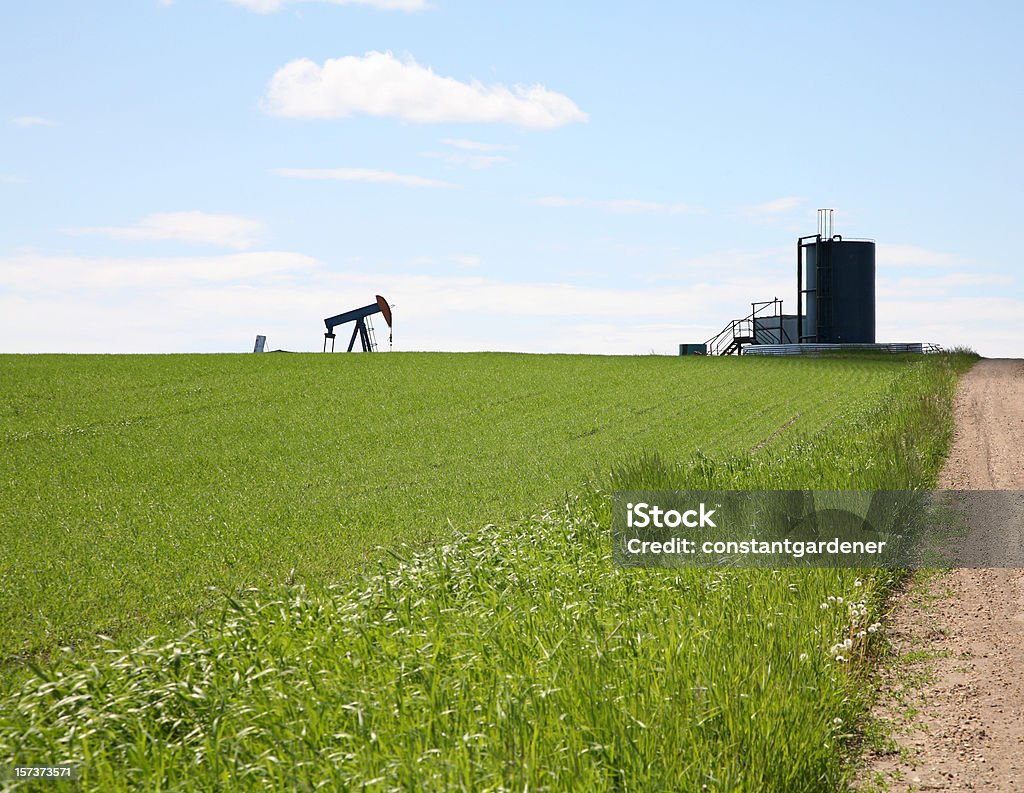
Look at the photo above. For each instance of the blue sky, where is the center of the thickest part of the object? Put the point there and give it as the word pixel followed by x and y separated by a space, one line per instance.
pixel 545 177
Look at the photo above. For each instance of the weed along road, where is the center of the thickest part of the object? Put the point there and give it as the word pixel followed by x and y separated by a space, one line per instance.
pixel 968 732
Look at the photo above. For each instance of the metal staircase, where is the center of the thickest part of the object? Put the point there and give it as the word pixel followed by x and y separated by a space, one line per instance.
pixel 731 339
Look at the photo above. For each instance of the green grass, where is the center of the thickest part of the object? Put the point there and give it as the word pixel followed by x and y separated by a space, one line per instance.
pixel 137 489
pixel 508 657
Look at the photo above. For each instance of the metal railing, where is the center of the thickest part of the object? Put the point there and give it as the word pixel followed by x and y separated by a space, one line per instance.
pixel 810 348
pixel 739 332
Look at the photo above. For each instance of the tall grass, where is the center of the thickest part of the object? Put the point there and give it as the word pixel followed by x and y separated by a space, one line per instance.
pixel 515 657
pixel 140 489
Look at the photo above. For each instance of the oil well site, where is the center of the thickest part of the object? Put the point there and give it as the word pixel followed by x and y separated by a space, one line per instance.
pixel 412 584
pixel 834 300
pixel 835 306
pixel 578 450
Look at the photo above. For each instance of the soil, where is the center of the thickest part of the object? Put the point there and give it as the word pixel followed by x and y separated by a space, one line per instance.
pixel 955 692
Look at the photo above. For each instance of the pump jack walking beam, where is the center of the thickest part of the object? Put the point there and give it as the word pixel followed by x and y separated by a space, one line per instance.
pixel 359 316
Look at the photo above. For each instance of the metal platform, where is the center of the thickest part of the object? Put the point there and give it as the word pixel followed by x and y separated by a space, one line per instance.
pixel 818 349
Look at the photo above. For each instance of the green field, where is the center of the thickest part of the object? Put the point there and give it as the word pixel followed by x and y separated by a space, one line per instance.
pixel 141 491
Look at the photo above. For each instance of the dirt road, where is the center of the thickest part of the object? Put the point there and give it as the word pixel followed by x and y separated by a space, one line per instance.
pixel 964 728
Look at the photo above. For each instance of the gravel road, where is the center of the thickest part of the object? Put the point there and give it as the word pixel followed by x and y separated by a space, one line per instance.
pixel 964 728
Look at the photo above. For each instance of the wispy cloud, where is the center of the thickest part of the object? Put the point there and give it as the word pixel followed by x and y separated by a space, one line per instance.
pixel 361 175
pixel 914 256
pixel 270 6
pixel 942 285
pixel 948 281
pixel 774 207
pixel 464 260
pixel 475 145
pixel 626 206
pixel 220 302
pixel 379 84
pixel 33 273
pixel 475 161
pixel 987 323
pixel 32 121
pixel 470 153
pixel 194 227
pixel 10 179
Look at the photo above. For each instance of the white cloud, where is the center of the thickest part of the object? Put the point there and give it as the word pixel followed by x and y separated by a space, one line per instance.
pixel 196 227
pixel 744 260
pixel 471 153
pixel 361 175
pixel 942 285
pixel 475 161
pixel 379 84
pixel 774 207
pixel 219 303
pixel 620 206
pixel 913 256
pixel 945 282
pixel 35 273
pixel 985 323
pixel 474 145
pixel 464 260
pixel 10 179
pixel 270 6
pixel 32 121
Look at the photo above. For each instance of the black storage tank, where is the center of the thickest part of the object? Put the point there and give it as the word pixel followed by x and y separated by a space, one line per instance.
pixel 839 279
